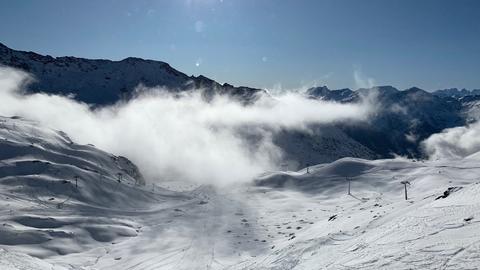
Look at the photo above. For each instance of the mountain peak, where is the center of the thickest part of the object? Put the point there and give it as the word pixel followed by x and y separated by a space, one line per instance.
pixel 387 88
pixel 414 89
pixel 132 59
pixel 381 88
pixel 318 91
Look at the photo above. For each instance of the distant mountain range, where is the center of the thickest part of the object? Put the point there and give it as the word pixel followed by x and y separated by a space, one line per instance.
pixel 346 94
pixel 403 120
pixel 455 93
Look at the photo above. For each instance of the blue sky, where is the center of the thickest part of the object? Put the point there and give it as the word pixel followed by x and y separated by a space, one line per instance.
pixel 265 43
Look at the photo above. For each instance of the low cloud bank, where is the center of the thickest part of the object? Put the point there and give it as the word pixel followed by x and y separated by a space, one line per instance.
pixel 180 137
pixel 454 143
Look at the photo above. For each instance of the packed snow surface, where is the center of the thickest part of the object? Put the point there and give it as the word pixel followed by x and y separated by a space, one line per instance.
pixel 70 206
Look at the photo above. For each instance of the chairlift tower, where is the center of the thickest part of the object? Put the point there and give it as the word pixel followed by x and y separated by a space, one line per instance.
pixel 405 183
pixel 76 181
pixel 348 180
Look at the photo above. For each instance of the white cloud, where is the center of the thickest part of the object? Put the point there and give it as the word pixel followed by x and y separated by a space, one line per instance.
pixel 361 81
pixel 455 142
pixel 411 137
pixel 180 137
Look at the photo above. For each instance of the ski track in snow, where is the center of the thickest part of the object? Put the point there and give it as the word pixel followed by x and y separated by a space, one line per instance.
pixel 287 220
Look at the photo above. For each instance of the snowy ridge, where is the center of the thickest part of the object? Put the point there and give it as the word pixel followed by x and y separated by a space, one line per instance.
pixel 55 193
pixel 403 119
pixel 456 93
pixel 100 81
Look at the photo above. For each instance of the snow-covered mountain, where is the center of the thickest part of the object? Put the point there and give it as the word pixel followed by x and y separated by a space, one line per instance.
pixel 324 143
pixel 403 118
pixel 284 220
pixel 456 93
pixel 471 107
pixel 100 82
pixel 54 191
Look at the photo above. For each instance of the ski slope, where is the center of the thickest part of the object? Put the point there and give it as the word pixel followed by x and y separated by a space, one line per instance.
pixel 282 220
